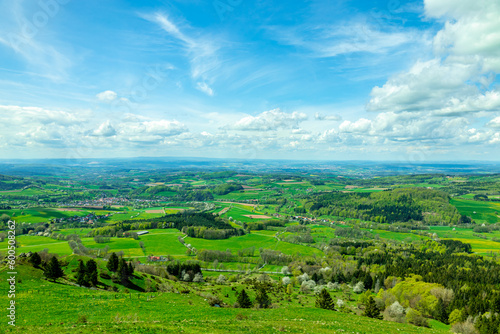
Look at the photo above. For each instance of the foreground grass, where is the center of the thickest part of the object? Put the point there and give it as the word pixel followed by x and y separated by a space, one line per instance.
pixel 45 307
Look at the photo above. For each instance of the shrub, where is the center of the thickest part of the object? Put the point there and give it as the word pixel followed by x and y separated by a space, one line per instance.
pixel 415 317
pixel 395 312
pixel 105 275
pixel 325 301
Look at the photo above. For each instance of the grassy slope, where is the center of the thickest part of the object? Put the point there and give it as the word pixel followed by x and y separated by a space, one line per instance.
pixel 481 212
pixel 45 307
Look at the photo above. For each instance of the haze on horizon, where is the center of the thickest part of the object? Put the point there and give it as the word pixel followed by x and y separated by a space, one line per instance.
pixel 297 80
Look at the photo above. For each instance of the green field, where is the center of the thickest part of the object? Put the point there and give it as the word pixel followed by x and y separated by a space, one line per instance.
pixel 479 245
pixel 481 212
pixel 41 215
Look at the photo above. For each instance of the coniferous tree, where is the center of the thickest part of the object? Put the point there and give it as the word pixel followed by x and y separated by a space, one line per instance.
pixel 368 281
pixel 324 300
pixel 372 309
pixel 130 269
pixel 53 269
pixel 92 272
pixel 244 300
pixel 495 304
pixel 35 260
pixel 81 274
pixel 262 299
pixel 112 262
pixel 122 270
pixel 441 312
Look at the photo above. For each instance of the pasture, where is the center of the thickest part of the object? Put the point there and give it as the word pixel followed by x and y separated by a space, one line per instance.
pixel 481 212
pixel 69 309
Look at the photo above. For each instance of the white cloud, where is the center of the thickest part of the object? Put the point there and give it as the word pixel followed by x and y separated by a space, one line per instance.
pixel 35 115
pixel 200 49
pixel 321 117
pixel 494 123
pixel 270 120
pixel 105 130
pixel 458 80
pixel 202 86
pixel 345 38
pixel 149 131
pixel 107 96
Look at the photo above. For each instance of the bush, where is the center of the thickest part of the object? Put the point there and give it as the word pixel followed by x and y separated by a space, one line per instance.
pixel 213 300
pixel 221 279
pixel 395 312
pixel 466 327
pixel 415 317
pixel 359 287
pixel 105 275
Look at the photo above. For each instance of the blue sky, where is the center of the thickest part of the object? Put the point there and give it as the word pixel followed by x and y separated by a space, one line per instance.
pixel 317 79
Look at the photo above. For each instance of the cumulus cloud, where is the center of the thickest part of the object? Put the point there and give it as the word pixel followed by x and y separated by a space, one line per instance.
pixel 105 130
pixel 270 120
pixel 29 115
pixel 149 131
pixel 107 96
pixel 458 80
pixel 403 129
pixel 494 123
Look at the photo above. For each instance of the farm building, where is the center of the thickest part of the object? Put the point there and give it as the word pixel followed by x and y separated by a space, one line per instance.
pixel 142 232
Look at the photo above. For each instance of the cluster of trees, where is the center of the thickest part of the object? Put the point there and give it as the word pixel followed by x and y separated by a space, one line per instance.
pixel 352 233
pixel 203 224
pixel 123 269
pixel 226 188
pixel 300 238
pixel 264 224
pixel 211 233
pixel 209 255
pixel 270 256
pixel 86 274
pixel 51 268
pixel 180 270
pixel 262 299
pixel 390 206
pixel 446 281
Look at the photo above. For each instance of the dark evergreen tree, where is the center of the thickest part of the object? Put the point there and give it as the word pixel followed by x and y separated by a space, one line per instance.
pixel 130 269
pixel 314 277
pixel 262 299
pixel 441 312
pixel 324 300
pixel 112 262
pixel 368 281
pixel 53 269
pixel 81 274
pixel 122 270
pixel 372 309
pixel 495 304
pixel 244 300
pixel 92 277
pixel 35 260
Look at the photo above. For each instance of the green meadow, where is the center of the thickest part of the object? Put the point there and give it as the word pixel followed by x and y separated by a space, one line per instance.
pixel 41 215
pixel 481 212
pixel 479 245
pixel 46 307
